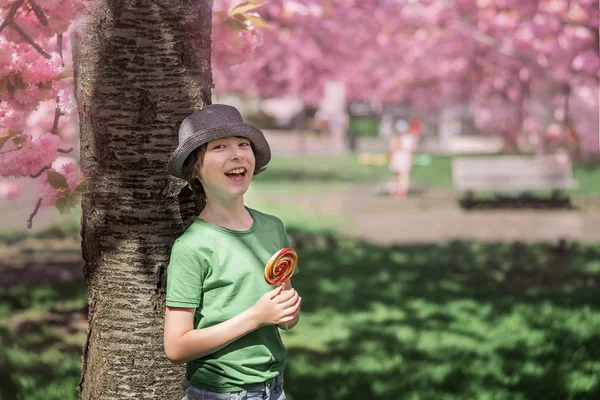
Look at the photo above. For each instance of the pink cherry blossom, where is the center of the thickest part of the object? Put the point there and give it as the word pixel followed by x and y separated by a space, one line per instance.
pixel 73 176
pixel 42 70
pixel 11 118
pixel 31 157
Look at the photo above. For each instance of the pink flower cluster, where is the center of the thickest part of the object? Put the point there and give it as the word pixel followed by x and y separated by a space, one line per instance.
pixel 59 15
pixel 11 118
pixel 73 176
pixel 31 158
pixel 28 79
pixel 231 46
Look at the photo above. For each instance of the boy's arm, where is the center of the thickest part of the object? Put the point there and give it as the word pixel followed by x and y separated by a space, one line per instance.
pixel 183 343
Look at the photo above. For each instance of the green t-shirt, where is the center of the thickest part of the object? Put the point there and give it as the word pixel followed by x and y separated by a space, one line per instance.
pixel 220 273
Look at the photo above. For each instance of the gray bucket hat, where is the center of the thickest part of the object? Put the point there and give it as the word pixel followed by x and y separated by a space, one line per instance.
pixel 214 122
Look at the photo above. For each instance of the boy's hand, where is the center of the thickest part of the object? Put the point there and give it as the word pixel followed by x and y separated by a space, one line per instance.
pixel 277 306
pixel 296 315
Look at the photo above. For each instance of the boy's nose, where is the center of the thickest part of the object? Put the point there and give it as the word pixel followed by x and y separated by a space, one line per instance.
pixel 237 153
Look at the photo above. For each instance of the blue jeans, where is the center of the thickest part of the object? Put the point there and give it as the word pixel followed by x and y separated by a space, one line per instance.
pixel 269 390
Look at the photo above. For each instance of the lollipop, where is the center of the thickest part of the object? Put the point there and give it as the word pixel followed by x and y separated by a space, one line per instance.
pixel 281 266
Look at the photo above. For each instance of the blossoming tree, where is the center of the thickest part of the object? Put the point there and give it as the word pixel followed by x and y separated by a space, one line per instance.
pixel 520 65
pixel 38 112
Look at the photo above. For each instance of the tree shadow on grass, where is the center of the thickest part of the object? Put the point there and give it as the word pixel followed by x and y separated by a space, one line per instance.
pixel 20 297
pixel 392 369
pixel 474 320
pixel 41 336
pixel 37 363
pixel 350 275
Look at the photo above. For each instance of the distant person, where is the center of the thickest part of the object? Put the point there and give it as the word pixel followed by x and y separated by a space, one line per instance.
pixel 401 149
pixel 338 124
pixel 414 127
pixel 321 124
pixel 561 143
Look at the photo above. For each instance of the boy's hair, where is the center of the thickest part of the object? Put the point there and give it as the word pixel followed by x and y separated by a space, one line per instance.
pixel 191 170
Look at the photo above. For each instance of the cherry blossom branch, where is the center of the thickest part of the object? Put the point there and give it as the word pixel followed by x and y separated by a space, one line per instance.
pixel 57 112
pixel 29 40
pixel 39 13
pixel 35 210
pixel 11 14
pixel 37 175
pixel 10 20
pixel 59 47
pixel 57 115
pixel 11 150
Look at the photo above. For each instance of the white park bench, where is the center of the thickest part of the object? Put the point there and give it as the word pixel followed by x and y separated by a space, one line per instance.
pixel 512 174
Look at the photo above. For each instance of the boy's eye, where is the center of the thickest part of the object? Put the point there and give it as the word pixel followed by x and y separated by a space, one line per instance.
pixel 244 144
pixel 219 146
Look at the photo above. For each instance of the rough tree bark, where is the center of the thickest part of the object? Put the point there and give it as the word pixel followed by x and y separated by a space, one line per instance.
pixel 141 67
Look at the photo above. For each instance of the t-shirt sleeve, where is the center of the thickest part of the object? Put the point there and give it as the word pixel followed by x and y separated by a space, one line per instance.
pixel 184 277
pixel 285 239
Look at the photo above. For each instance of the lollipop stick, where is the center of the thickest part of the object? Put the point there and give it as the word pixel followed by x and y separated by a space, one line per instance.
pixel 283 285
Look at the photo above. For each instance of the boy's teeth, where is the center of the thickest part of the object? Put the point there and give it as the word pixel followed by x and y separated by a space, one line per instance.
pixel 236 171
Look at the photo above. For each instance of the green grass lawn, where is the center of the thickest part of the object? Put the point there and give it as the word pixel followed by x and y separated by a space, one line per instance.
pixel 454 320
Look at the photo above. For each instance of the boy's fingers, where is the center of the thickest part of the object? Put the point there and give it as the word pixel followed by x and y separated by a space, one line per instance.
pixel 283 295
pixel 275 292
pixel 286 295
pixel 294 309
pixel 291 303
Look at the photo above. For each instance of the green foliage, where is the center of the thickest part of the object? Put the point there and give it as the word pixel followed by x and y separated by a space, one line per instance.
pixel 364 126
pixel 298 171
pixel 587 173
pixel 57 180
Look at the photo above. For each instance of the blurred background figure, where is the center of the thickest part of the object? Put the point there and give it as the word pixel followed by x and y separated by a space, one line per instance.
pixel 401 151
pixel 338 125
pixel 386 127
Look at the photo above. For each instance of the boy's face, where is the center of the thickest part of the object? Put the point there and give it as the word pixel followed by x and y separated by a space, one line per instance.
pixel 228 167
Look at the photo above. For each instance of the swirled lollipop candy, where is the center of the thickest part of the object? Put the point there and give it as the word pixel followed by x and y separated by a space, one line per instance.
pixel 281 266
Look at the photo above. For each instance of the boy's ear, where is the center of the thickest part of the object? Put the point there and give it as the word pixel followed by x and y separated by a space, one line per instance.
pixel 197 170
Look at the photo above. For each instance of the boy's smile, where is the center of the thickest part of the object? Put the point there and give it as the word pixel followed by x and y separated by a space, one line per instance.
pixel 236 174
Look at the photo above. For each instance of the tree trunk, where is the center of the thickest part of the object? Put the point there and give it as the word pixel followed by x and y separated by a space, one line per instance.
pixel 141 67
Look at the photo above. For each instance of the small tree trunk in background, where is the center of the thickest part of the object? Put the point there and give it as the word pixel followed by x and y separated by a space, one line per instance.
pixel 141 67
